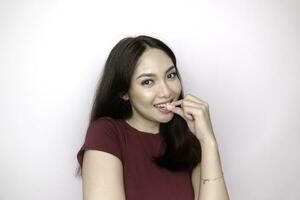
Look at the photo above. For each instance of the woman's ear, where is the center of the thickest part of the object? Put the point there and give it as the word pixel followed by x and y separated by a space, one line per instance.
pixel 125 97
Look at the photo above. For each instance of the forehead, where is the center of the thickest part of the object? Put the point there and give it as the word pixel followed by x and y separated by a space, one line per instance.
pixel 153 61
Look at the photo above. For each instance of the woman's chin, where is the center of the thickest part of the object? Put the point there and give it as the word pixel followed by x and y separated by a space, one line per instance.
pixel 167 118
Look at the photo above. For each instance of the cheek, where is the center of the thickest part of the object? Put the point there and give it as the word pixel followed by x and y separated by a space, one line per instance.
pixel 176 87
pixel 143 97
pixel 147 97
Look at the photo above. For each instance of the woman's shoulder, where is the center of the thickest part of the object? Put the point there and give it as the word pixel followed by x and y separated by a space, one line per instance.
pixel 106 127
pixel 105 122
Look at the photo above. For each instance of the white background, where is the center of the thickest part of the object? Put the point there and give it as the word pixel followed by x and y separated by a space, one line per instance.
pixel 242 57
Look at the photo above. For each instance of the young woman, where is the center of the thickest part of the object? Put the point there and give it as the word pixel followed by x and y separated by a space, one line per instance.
pixel 146 139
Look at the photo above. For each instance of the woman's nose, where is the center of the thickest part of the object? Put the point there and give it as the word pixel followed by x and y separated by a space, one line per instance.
pixel 164 90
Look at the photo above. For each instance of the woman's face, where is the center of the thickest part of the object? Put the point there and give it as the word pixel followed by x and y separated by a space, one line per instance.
pixel 154 81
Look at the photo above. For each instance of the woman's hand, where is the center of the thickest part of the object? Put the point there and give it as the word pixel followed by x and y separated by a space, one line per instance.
pixel 196 114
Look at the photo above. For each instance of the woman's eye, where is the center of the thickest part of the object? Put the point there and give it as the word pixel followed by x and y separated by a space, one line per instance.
pixel 174 75
pixel 146 82
pixel 149 81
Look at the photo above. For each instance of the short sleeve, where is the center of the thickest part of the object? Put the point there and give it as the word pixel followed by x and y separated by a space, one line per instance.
pixel 101 135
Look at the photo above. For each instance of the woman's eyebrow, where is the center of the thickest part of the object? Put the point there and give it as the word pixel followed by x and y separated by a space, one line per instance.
pixel 151 74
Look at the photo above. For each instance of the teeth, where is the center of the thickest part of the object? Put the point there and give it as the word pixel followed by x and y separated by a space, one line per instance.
pixel 161 105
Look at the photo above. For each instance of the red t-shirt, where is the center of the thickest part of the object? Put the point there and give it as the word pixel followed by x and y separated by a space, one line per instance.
pixel 143 179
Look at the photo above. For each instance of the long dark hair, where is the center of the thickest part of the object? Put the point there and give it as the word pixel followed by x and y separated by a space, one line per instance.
pixel 182 148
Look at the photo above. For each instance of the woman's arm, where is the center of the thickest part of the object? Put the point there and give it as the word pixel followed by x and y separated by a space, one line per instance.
pixel 212 182
pixel 196 113
pixel 209 168
pixel 102 176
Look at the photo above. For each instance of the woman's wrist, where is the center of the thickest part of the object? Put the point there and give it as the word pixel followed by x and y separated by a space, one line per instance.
pixel 204 180
pixel 209 141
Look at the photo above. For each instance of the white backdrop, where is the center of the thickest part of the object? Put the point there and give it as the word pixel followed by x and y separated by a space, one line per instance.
pixel 242 57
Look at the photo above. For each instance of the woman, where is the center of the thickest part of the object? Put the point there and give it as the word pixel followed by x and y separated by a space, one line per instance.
pixel 146 140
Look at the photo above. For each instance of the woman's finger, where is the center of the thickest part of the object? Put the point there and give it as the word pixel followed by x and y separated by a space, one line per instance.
pixel 187 101
pixel 179 111
pixel 176 103
pixel 176 110
pixel 194 98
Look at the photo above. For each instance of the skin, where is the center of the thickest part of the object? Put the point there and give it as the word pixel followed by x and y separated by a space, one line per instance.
pixel 146 91
pixel 196 113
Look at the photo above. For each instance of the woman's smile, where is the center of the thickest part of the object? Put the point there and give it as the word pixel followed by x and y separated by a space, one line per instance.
pixel 154 82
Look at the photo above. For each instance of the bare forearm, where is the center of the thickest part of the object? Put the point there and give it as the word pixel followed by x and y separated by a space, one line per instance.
pixel 214 188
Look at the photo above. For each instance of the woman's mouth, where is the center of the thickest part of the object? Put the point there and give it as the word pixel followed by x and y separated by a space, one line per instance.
pixel 162 107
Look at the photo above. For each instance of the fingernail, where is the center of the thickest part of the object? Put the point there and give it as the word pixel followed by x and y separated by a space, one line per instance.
pixel 170 107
